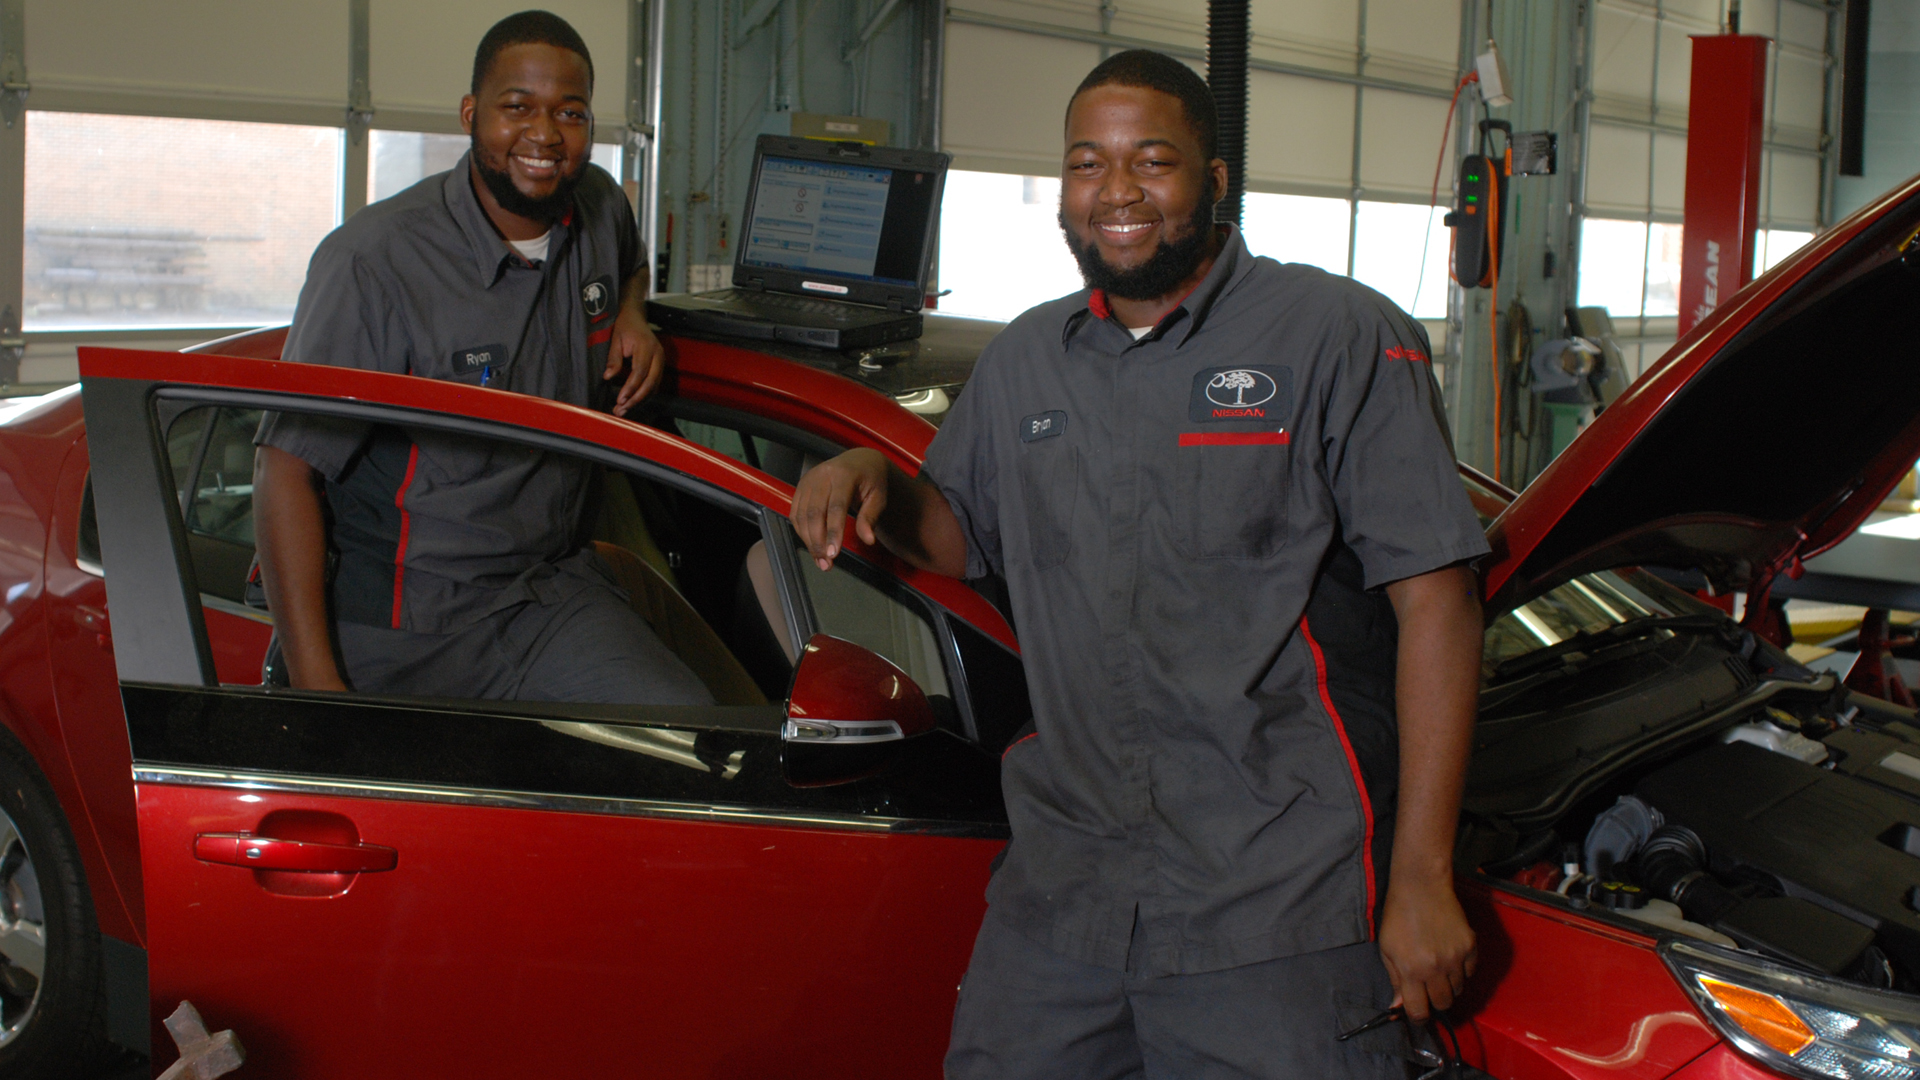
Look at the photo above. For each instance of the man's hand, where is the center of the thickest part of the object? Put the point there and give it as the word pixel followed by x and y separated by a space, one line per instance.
pixel 855 482
pixel 909 517
pixel 635 350
pixel 1426 944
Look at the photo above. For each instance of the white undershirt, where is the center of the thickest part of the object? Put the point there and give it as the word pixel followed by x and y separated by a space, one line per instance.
pixel 533 250
pixel 1139 332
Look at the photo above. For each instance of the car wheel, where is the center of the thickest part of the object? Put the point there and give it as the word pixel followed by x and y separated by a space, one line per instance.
pixel 52 1008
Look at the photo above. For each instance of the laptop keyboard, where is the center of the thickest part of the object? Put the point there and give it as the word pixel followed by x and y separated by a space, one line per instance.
pixel 838 312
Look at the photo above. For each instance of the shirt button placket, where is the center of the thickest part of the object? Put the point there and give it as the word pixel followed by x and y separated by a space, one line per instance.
pixel 1122 576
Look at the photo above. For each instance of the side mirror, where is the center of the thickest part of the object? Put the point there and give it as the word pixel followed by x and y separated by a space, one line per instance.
pixel 849 715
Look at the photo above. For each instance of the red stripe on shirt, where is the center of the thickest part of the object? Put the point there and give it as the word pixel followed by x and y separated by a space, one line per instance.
pixel 1016 742
pixel 600 336
pixel 1353 763
pixel 406 521
pixel 1234 438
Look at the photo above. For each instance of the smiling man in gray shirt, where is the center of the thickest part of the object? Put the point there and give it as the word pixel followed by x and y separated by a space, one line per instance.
pixel 460 565
pixel 1222 494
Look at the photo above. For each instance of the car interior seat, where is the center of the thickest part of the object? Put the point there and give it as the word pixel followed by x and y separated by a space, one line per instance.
pixel 680 627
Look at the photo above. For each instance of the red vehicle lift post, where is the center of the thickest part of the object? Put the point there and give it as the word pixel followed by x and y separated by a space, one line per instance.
pixel 1725 109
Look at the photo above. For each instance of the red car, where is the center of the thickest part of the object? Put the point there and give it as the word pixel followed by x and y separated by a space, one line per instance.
pixel 1684 854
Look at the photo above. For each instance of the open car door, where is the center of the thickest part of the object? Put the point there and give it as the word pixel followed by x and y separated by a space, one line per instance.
pixel 403 887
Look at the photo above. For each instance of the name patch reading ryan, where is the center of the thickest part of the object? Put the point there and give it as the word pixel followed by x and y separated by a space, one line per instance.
pixel 1258 392
pixel 1042 425
pixel 478 358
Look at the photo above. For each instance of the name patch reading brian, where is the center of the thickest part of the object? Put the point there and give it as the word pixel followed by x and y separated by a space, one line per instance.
pixel 478 358
pixel 1258 392
pixel 1042 425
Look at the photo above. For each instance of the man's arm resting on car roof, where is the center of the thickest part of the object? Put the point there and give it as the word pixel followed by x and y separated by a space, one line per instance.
pixel 290 531
pixel 907 515
pixel 1424 938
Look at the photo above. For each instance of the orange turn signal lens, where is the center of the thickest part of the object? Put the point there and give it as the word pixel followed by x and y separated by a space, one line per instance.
pixel 1762 1016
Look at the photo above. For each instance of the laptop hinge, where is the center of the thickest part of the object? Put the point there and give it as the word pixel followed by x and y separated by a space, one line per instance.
pixel 896 305
pixel 751 284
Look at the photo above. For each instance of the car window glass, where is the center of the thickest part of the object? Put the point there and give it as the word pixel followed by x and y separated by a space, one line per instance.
pixel 1588 603
pixel 677 560
pixel 996 683
pixel 774 448
pixel 855 602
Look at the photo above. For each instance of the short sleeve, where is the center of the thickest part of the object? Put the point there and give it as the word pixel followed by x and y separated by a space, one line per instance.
pixel 961 463
pixel 344 319
pixel 1389 456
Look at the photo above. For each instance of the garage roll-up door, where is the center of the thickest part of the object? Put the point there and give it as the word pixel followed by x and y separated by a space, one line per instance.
pixel 218 58
pixel 1641 80
pixel 1011 67
pixel 422 57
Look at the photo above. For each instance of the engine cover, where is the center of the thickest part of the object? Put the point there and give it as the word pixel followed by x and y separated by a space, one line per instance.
pixel 1846 837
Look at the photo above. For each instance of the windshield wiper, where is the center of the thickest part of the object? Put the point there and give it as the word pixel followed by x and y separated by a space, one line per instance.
pixel 1626 631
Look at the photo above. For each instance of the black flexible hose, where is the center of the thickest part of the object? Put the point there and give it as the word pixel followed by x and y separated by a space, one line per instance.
pixel 1227 34
pixel 1672 866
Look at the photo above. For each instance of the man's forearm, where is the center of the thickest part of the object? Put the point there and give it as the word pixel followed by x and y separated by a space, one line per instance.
pixel 919 525
pixel 291 535
pixel 1437 691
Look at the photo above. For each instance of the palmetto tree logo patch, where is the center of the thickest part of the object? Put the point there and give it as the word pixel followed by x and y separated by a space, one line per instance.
pixel 1258 392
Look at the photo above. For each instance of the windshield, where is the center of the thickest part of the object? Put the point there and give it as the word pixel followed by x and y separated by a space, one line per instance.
pixel 1587 604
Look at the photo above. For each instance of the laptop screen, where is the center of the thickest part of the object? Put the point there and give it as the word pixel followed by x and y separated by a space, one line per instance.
pixel 865 222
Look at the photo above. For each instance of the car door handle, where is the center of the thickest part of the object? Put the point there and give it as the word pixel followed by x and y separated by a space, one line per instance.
pixel 266 853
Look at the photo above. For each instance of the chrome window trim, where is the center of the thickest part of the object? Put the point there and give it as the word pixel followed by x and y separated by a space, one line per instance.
pixel 283 784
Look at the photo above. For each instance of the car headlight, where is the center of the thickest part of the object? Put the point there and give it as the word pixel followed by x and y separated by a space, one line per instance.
pixel 1801 1024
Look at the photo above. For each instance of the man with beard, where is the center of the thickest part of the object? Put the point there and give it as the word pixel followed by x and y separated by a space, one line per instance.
pixel 1223 497
pixel 459 565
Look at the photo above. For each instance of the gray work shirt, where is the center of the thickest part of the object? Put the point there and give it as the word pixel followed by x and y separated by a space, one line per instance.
pixel 434 529
pixel 1194 528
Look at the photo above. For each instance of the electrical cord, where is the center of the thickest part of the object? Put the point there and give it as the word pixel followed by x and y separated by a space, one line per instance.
pixel 1433 198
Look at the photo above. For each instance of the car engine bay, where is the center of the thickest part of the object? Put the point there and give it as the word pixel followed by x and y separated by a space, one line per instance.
pixel 1787 825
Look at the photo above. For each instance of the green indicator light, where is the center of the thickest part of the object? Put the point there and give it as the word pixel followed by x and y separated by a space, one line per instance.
pixel 1473 198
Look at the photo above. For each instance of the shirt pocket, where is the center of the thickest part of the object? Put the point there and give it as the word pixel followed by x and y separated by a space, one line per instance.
pixel 1050 486
pixel 1232 499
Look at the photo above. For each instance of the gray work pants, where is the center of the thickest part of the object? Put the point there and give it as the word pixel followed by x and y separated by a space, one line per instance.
pixel 589 646
pixel 1029 1013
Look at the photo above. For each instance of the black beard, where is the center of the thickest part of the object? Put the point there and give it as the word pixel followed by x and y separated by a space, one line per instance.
pixel 549 209
pixel 1170 264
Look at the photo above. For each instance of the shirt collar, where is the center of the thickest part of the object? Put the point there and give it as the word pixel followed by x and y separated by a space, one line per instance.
pixel 491 254
pixel 1233 263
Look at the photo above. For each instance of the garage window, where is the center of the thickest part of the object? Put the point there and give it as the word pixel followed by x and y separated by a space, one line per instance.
pixel 146 222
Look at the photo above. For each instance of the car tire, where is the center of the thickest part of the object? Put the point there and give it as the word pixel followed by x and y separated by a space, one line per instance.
pixel 53 1025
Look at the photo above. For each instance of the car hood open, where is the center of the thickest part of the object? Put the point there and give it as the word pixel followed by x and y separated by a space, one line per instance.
pixel 1765 436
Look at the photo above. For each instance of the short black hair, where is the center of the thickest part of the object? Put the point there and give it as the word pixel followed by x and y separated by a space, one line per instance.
pixel 527 28
pixel 1158 71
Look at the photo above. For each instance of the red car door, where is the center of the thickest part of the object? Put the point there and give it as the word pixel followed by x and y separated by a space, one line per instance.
pixel 404 887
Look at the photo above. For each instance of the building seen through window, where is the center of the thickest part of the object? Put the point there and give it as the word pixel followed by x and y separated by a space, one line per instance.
pixel 139 221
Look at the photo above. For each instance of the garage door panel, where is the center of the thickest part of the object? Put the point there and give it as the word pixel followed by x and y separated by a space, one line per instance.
pixel 1617 169
pixel 422 50
pixel 1803 27
pixel 1797 99
pixel 263 50
pixel 1299 132
pixel 1676 72
pixel 1399 136
pixel 1623 52
pixel 1329 26
pixel 1006 97
pixel 1669 172
pixel 1417 29
pixel 1793 196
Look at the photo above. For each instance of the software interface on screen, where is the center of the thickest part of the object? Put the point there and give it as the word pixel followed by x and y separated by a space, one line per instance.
pixel 847 220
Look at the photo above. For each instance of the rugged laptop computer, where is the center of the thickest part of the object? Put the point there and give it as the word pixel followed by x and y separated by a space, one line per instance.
pixel 835 252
